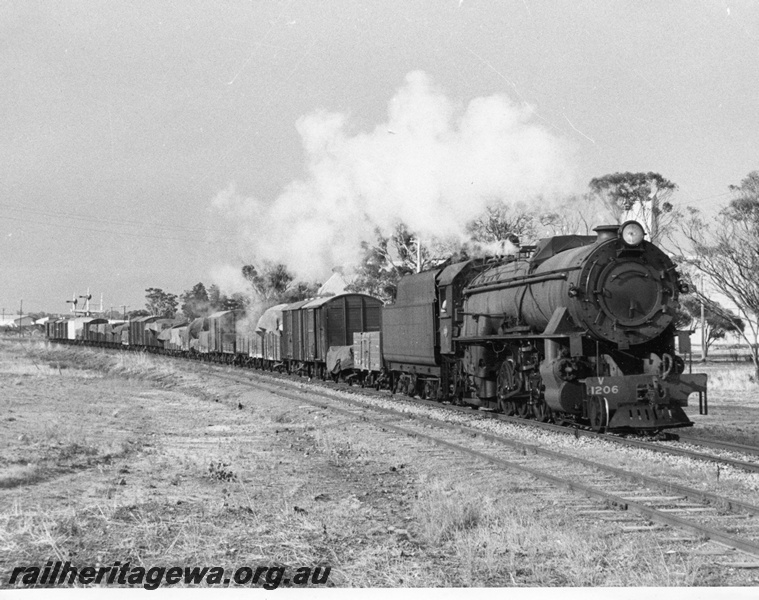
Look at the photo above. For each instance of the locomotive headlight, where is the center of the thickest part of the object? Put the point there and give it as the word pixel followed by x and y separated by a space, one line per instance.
pixel 632 233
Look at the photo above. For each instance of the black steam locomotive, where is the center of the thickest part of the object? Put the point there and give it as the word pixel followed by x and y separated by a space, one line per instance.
pixel 577 327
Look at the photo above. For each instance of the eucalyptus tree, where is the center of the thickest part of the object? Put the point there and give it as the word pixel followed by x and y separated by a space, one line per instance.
pixel 725 248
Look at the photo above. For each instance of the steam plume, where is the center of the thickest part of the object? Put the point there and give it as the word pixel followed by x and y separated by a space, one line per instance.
pixel 433 165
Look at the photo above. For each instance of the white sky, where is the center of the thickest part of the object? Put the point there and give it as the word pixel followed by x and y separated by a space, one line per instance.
pixel 123 121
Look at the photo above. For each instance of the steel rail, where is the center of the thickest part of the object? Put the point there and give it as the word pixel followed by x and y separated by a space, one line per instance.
pixel 654 447
pixel 740 464
pixel 718 445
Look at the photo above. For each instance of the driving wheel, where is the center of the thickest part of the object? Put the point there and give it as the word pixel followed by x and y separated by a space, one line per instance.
pixel 542 411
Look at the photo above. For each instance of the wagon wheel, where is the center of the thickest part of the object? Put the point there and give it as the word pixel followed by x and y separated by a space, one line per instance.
pixel 396 383
pixel 404 384
pixel 429 390
pixel 598 413
pixel 412 385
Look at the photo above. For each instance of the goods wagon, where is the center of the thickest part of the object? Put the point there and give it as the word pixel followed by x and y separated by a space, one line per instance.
pixel 59 329
pixel 194 331
pixel 268 340
pixel 176 335
pixel 137 330
pixel 245 334
pixel 120 334
pixel 367 358
pixel 221 333
pixel 94 330
pixel 318 333
pixel 75 327
pixel 292 328
pixel 152 333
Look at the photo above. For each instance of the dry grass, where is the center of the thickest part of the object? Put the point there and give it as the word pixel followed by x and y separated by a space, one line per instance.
pixel 514 540
pixel 735 376
pixel 733 403
pixel 444 512
pixel 56 451
pixel 18 475
pixel 87 362
pixel 339 449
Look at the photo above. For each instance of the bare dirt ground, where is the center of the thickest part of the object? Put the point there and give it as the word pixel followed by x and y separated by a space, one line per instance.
pixel 108 458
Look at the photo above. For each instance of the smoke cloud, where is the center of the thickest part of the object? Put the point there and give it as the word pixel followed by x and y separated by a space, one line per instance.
pixel 434 165
pixel 229 279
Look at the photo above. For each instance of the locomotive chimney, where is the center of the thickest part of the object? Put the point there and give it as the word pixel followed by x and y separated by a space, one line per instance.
pixel 606 232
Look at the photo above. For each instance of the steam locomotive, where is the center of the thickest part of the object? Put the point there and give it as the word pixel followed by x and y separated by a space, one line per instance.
pixel 576 328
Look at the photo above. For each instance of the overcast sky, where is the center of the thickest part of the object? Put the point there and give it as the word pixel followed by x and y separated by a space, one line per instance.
pixel 158 144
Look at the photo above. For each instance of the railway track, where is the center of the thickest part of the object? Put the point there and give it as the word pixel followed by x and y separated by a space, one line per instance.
pixel 662 447
pixel 626 500
pixel 749 464
pixel 719 445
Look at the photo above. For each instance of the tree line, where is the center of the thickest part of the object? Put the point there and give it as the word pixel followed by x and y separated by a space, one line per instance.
pixel 268 285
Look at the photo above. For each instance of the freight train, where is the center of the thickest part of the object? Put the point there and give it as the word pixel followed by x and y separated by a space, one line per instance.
pixel 575 329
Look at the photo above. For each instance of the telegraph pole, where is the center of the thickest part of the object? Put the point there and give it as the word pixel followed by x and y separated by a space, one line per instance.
pixel 703 322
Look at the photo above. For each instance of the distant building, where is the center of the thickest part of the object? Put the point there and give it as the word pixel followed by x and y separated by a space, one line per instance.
pixel 16 321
